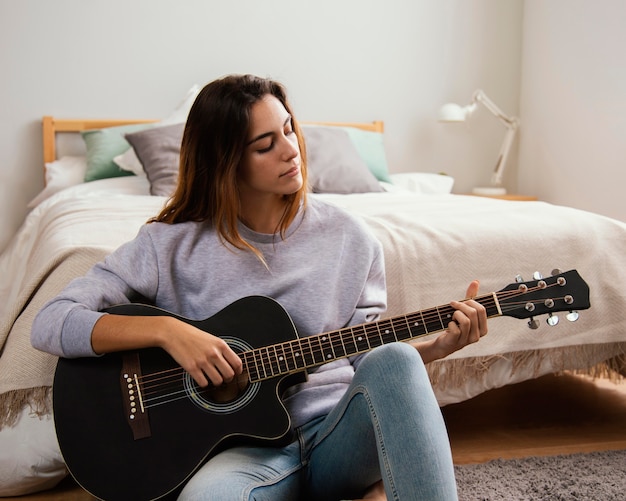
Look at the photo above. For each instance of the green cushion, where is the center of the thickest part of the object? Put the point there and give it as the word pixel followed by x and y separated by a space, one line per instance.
pixel 105 144
pixel 371 148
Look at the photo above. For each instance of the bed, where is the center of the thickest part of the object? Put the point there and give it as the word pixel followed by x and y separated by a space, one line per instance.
pixel 435 243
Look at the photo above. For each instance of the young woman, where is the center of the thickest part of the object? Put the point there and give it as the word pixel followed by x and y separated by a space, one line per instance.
pixel 239 224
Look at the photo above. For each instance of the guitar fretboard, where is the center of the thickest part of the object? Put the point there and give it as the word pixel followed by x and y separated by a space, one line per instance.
pixel 304 353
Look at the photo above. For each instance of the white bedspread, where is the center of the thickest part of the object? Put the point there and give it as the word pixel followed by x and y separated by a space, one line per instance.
pixel 434 246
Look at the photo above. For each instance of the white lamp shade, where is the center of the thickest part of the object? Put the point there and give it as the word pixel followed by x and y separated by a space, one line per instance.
pixel 452 112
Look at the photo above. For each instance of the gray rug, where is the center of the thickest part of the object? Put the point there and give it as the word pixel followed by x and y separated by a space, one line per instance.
pixel 596 476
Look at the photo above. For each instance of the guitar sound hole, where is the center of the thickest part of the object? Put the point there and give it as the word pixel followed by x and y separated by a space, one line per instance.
pixel 226 398
pixel 227 392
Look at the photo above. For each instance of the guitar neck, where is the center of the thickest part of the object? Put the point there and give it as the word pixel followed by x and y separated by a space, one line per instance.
pixel 311 351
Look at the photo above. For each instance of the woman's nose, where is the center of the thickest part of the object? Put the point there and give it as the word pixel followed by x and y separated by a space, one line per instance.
pixel 290 147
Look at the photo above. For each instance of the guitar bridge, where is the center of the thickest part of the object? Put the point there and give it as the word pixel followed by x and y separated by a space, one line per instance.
pixel 132 396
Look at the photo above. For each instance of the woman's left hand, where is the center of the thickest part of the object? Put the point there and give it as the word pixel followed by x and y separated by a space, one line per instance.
pixel 468 325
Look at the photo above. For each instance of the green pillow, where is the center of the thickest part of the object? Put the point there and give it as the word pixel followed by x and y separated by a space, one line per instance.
pixel 371 148
pixel 105 144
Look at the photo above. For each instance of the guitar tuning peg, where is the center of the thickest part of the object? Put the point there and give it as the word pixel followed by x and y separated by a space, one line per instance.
pixel 533 324
pixel 519 279
pixel 572 316
pixel 552 320
pixel 537 275
pixel 556 272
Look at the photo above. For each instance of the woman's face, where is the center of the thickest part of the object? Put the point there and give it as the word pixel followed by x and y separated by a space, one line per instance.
pixel 271 160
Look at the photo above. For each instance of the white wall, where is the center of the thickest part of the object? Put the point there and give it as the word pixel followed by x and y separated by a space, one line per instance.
pixel 573 104
pixel 396 60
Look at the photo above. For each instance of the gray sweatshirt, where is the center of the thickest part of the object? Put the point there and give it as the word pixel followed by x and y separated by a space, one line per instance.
pixel 328 273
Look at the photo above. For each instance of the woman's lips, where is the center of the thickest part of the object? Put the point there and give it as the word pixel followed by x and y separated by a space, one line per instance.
pixel 292 172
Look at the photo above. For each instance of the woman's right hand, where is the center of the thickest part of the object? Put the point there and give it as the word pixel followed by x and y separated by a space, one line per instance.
pixel 204 356
pixel 201 354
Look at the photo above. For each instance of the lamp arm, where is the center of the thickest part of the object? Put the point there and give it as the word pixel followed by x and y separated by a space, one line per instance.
pixel 511 124
pixel 496 178
pixel 480 97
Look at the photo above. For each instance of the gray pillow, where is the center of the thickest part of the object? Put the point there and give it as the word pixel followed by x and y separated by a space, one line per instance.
pixel 158 150
pixel 334 164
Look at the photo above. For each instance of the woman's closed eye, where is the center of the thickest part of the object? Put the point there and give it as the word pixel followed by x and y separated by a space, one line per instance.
pixel 266 148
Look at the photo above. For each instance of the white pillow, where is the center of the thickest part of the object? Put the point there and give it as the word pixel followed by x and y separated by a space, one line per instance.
pixel 60 174
pixel 424 183
pixel 30 458
pixel 129 161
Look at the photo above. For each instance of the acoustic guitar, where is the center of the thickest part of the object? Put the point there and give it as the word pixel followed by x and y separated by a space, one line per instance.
pixel 135 425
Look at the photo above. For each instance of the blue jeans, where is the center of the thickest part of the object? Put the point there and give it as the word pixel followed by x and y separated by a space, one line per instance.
pixel 387 425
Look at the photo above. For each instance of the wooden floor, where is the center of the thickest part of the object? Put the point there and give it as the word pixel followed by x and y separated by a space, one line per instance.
pixel 546 416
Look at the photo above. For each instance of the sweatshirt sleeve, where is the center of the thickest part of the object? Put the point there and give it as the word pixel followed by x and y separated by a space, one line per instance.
pixel 63 326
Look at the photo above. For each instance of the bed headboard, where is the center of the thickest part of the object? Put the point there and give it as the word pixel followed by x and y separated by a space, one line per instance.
pixel 51 126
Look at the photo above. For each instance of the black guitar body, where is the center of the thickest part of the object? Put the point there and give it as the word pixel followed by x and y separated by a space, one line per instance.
pixel 111 460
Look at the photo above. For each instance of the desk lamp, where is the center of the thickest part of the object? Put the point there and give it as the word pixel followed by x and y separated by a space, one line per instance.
pixel 454 113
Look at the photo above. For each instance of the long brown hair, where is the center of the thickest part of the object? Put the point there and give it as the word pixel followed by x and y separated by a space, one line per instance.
pixel 212 148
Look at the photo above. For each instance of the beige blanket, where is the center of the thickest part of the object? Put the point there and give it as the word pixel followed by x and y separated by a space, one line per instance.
pixel 434 246
pixel 25 373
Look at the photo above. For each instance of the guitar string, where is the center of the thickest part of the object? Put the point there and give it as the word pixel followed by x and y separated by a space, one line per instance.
pixel 152 382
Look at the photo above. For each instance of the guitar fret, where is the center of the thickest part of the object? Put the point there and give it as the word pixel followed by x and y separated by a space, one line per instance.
pixel 296 356
pixel 328 355
pixel 279 361
pixel 387 335
pixel 416 327
pixel 421 313
pixel 258 362
pixel 319 349
pixel 260 358
pixel 268 364
pixel 361 341
pixel 448 312
pixel 432 320
pixel 309 354
pixel 253 372
pixel 336 344
pixel 281 366
pixel 350 341
pixel 439 316
pixel 344 335
pixel 320 352
pixel 377 339
pixel 288 355
pixel 401 329
pixel 369 331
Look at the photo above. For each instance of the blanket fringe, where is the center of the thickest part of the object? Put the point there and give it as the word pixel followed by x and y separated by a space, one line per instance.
pixel 13 403
pixel 606 361
pixel 613 369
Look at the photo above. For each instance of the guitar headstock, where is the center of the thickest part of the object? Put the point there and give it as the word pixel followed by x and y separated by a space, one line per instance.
pixel 560 292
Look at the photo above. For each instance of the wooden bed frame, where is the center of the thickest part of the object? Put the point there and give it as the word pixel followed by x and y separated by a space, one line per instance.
pixel 51 126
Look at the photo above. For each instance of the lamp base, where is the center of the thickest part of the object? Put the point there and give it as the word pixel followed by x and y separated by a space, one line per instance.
pixel 489 191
